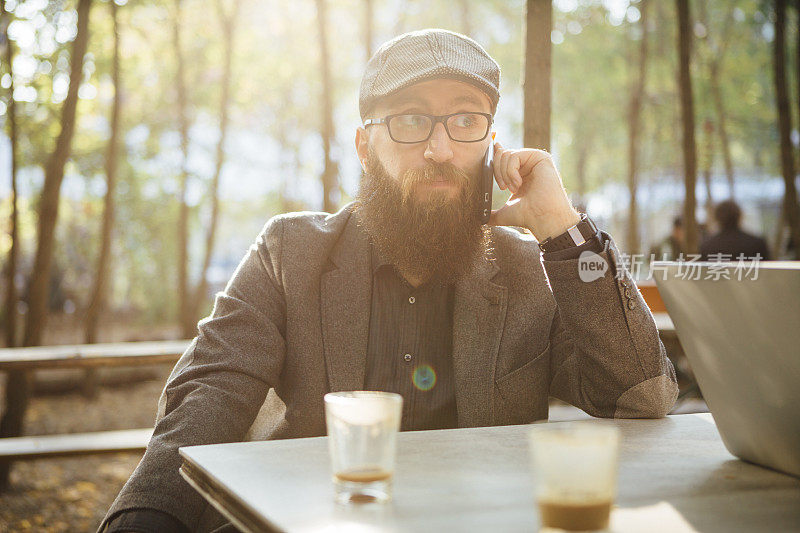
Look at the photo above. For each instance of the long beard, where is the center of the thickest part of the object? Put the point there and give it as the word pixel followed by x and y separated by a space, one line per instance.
pixel 436 238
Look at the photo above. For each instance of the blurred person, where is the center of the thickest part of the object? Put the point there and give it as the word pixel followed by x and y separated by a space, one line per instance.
pixel 408 285
pixel 702 231
pixel 670 247
pixel 730 241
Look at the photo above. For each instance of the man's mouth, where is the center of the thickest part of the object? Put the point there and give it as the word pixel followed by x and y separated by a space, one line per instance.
pixel 438 183
pixel 439 179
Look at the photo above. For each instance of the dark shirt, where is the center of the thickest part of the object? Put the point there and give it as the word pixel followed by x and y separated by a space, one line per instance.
pixel 411 341
pixel 398 328
pixel 733 242
pixel 410 347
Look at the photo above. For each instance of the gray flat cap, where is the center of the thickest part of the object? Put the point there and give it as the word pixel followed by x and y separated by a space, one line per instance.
pixel 423 55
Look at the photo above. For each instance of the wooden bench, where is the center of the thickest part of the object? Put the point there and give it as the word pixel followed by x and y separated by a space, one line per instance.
pixel 651 296
pixel 83 356
pixel 47 446
pixel 92 355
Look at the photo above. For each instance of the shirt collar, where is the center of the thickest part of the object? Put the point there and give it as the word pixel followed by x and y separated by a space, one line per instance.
pixel 377 258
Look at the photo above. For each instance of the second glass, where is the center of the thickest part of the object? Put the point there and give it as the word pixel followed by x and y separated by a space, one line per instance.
pixel 575 473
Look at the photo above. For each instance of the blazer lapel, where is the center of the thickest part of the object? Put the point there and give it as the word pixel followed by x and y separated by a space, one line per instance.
pixel 478 319
pixel 345 301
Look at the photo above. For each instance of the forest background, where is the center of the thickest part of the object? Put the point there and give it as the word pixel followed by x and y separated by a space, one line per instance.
pixel 145 143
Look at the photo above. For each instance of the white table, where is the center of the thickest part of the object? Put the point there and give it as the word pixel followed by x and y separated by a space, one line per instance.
pixel 675 475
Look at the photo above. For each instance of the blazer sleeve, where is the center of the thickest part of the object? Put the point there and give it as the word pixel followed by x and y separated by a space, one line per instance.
pixel 605 352
pixel 217 387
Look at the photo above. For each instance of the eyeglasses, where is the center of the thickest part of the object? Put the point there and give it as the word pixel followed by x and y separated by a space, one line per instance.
pixel 417 128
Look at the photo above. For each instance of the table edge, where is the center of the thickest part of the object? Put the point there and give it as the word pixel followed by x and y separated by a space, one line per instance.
pixel 231 507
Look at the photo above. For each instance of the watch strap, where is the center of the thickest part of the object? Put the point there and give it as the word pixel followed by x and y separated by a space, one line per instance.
pixel 575 235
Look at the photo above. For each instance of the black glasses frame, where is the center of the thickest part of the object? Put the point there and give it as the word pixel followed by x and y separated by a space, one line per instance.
pixel 435 119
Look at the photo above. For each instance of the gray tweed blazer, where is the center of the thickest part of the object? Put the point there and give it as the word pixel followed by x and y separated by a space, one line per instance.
pixel 292 324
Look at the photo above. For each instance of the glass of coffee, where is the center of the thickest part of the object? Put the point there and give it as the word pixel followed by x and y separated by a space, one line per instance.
pixel 362 432
pixel 575 473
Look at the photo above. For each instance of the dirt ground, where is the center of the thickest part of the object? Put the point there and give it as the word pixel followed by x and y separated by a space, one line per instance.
pixel 73 494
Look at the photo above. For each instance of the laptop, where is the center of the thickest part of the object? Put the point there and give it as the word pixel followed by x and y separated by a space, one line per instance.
pixel 739 325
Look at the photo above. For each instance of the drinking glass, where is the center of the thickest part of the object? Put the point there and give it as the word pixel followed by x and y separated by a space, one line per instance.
pixel 362 432
pixel 575 473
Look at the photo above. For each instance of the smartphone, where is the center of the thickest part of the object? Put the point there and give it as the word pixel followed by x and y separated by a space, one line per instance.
pixel 487 183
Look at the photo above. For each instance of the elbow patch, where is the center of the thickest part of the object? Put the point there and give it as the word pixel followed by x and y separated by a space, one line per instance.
pixel 652 398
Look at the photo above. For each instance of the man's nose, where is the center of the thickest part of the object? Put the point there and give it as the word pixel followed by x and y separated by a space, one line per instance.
pixel 439 148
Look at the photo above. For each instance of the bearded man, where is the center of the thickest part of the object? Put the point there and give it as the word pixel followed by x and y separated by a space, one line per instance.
pixel 407 290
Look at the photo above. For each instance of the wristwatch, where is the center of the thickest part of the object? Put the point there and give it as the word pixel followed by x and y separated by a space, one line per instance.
pixel 576 235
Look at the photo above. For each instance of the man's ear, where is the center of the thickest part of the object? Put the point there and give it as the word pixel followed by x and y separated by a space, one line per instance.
pixel 362 146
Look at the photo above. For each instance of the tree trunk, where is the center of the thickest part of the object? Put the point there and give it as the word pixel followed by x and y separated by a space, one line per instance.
pixel 790 209
pixel 707 161
pixel 54 174
pixel 184 303
pixel 634 130
pixel 329 173
pixel 97 304
pixel 17 388
pixel 797 74
pixel 19 382
pixel 719 108
pixel 228 22
pixel 717 49
pixel 466 17
pixel 18 391
pixel 99 292
pixel 687 119
pixel 538 50
pixel 778 234
pixel 10 303
pixel 368 18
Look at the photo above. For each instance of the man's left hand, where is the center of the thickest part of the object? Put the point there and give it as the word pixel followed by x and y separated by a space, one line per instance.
pixel 539 201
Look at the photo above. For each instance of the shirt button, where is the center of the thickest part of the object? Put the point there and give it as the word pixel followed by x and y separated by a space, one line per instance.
pixel 627 292
pixel 631 304
pixel 411 299
pixel 407 357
